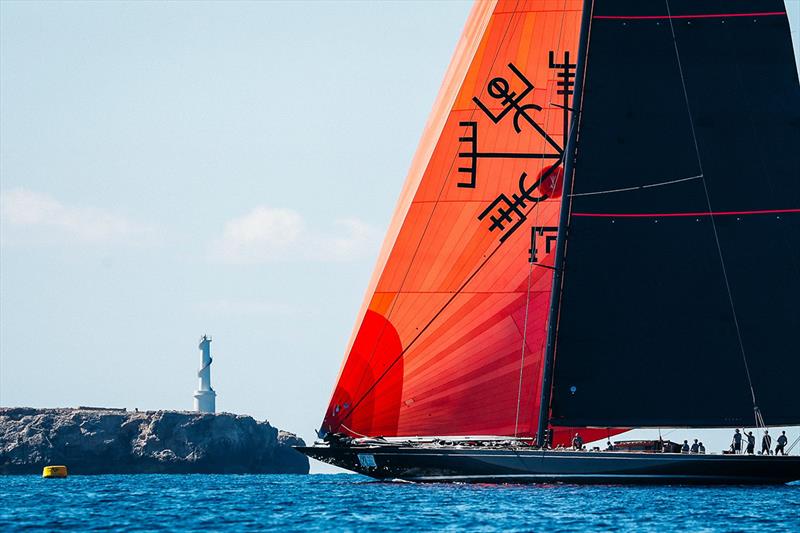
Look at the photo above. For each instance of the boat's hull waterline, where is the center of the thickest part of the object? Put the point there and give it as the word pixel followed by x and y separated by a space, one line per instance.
pixel 519 465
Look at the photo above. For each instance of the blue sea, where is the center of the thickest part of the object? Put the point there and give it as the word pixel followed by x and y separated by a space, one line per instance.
pixel 353 503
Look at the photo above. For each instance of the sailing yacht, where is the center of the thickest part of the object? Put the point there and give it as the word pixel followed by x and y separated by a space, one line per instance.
pixel 599 231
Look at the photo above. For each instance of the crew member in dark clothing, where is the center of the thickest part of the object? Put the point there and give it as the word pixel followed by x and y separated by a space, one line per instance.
pixel 737 442
pixel 685 447
pixel 781 446
pixel 701 448
pixel 695 447
pixel 577 442
pixel 751 443
pixel 766 443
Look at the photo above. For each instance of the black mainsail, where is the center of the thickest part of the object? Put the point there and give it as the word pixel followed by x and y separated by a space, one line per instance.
pixel 680 299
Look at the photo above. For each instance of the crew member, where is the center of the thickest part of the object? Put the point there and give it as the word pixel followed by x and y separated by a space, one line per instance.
pixel 577 442
pixel 751 443
pixel 685 447
pixel 695 447
pixel 737 442
pixel 781 446
pixel 701 448
pixel 766 443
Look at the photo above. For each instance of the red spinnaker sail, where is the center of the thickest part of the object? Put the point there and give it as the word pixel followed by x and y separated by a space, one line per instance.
pixel 450 338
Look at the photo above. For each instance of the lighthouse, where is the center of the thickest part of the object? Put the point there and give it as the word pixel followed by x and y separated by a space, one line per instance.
pixel 205 397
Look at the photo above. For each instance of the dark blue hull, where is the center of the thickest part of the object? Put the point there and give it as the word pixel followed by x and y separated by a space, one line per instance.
pixel 496 465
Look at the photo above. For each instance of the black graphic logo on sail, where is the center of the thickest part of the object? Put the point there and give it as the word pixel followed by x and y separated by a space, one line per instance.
pixel 509 211
pixel 549 234
pixel 473 155
pixel 508 214
pixel 566 85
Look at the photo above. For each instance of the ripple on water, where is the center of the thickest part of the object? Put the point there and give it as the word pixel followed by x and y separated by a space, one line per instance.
pixel 353 503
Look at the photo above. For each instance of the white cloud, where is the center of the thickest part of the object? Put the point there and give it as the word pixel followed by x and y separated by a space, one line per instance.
pixel 32 216
pixel 268 234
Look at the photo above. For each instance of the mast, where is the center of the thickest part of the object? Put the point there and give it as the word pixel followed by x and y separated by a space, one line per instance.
pixel 561 239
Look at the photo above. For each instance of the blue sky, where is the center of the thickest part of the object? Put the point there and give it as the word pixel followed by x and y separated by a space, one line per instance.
pixel 170 170
pixel 174 169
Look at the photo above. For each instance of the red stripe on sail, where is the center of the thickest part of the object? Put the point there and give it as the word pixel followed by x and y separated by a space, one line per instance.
pixel 692 214
pixel 698 16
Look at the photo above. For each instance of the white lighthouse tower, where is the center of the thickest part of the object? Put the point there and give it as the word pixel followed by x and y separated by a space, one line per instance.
pixel 205 397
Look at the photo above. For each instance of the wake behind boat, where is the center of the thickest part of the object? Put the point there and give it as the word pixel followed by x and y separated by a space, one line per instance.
pixel 600 231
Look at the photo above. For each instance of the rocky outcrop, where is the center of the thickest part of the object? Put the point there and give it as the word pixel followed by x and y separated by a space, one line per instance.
pixel 97 441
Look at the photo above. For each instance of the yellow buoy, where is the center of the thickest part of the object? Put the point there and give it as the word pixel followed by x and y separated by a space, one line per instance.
pixel 54 471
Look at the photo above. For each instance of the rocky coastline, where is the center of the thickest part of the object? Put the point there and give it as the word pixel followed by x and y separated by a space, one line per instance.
pixel 116 441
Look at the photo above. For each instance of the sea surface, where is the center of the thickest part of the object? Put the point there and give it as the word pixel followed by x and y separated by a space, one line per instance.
pixel 346 502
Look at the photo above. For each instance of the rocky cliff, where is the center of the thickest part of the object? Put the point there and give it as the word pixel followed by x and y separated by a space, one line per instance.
pixel 96 441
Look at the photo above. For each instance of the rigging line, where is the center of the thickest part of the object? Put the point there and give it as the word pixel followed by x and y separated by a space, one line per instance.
pixel 524 340
pixel 515 22
pixel 760 425
pixel 790 448
pixel 421 331
pixel 638 187
pixel 528 298
pixel 757 413
pixel 354 432
pixel 524 333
